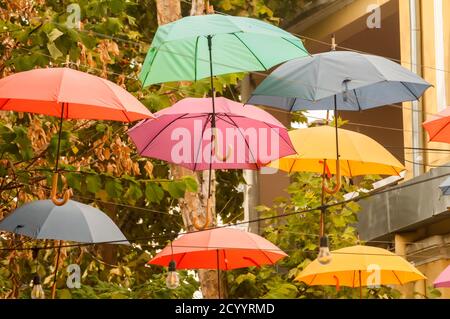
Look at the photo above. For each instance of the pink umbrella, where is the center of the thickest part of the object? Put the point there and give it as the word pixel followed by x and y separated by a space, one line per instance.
pixel 443 280
pixel 245 137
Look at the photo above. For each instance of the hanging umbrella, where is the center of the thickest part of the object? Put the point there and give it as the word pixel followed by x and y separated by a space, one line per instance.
pixel 357 266
pixel 73 221
pixel 68 94
pixel 438 127
pixel 245 137
pixel 445 186
pixel 359 154
pixel 197 47
pixel 443 280
pixel 219 248
pixel 338 80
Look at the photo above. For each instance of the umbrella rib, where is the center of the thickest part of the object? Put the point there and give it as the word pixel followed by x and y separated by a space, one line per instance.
pixel 124 110
pixel 254 55
pixel 195 59
pixel 200 143
pixel 302 49
pixel 4 104
pixel 415 96
pixel 397 278
pixel 440 130
pixel 292 166
pixel 246 142
pixel 357 100
pixel 349 169
pixel 160 131
pixel 292 105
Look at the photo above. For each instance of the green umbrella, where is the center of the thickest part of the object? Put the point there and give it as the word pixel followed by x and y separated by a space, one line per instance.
pixel 196 47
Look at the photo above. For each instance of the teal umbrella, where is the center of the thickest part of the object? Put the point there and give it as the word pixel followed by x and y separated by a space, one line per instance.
pixel 197 47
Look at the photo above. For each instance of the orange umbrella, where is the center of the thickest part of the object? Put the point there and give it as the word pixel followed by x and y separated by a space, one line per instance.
pixel 438 127
pixel 68 94
pixel 219 248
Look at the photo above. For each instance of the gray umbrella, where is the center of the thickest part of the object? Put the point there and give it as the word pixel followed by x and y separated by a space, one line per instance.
pixel 445 186
pixel 346 80
pixel 73 221
pixel 337 80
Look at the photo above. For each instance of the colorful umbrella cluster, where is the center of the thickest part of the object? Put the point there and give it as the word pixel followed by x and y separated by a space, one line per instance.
pixel 217 133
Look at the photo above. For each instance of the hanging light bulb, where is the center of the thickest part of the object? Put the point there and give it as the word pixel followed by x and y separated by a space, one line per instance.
pixel 324 251
pixel 172 280
pixel 37 292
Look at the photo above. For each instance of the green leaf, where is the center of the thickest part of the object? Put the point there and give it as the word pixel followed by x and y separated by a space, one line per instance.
pixel 133 193
pixel 114 188
pixel 191 183
pixel 176 189
pixel 64 294
pixel 74 181
pixel 153 192
pixel 54 34
pixel 54 51
pixel 93 183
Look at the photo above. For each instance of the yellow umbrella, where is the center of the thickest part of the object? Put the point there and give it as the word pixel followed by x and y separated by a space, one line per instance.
pixel 359 266
pixel 358 153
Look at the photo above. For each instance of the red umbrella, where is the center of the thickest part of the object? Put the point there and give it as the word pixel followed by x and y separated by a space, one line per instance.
pixel 68 94
pixel 219 248
pixel 438 127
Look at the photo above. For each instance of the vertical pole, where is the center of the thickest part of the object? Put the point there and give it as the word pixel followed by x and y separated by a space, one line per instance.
pixel 59 137
pixel 218 274
pixel 213 117
pixel 56 270
pixel 360 285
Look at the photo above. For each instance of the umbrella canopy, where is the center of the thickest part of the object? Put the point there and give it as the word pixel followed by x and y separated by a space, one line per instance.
pixel 348 81
pixel 180 50
pixel 359 154
pixel 438 127
pixel 73 221
pixel 352 266
pixel 69 94
pixel 181 134
pixel 443 280
pixel 219 248
pixel 445 186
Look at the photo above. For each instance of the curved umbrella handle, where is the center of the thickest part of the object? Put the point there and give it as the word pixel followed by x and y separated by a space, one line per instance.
pixel 195 221
pixel 221 157
pixel 338 185
pixel 59 201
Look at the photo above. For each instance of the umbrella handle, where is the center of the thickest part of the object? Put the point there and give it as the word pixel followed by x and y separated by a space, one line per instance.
pixel 221 157
pixel 59 201
pixel 195 221
pixel 338 185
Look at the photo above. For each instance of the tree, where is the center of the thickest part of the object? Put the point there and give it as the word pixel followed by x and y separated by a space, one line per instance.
pixel 99 161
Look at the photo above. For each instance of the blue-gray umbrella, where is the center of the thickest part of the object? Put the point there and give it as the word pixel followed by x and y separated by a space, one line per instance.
pixel 337 80
pixel 73 221
pixel 445 186
pixel 343 80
